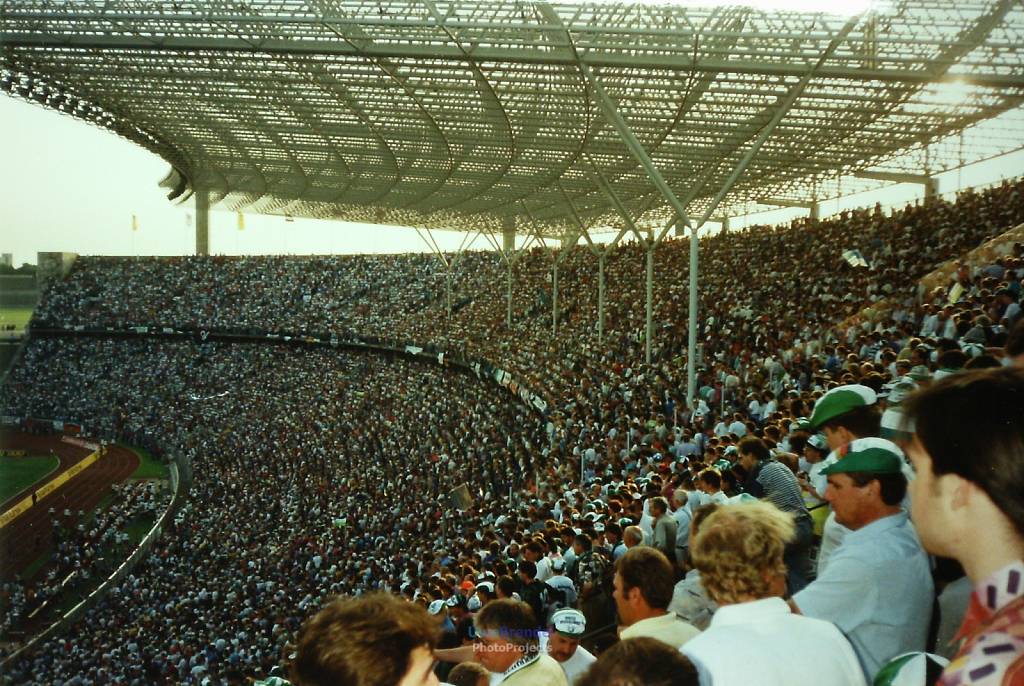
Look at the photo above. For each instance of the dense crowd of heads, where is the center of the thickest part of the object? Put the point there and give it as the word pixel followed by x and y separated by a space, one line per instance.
pixel 320 472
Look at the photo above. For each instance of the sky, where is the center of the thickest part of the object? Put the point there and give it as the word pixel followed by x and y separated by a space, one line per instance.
pixel 70 186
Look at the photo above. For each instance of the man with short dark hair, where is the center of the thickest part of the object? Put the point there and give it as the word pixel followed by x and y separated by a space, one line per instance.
pixel 644 581
pixel 774 482
pixel 508 645
pixel 664 527
pixel 641 662
pixel 532 591
pixel 968 504
pixel 878 586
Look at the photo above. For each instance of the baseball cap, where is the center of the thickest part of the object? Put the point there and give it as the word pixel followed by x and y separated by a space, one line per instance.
pixel 435 607
pixel 569 622
pixel 873 455
pixel 818 441
pixel 558 565
pixel 839 401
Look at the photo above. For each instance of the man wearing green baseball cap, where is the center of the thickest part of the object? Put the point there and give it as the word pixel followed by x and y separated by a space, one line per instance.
pixel 878 586
pixel 842 415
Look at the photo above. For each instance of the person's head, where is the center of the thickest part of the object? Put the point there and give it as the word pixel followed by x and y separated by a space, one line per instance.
pixel 640 662
pixel 506 632
pixel 1014 348
pixel 968 453
pixel 710 481
pixel 376 640
pixel 816 448
pixel 845 413
pixel 469 674
pixel 564 633
pixel 643 581
pixel 527 571
pixel 505 586
pixel 738 550
pixel 658 506
pixel 866 483
pixel 752 450
pixel 632 536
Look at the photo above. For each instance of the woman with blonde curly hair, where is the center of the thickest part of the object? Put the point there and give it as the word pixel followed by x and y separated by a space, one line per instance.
pixel 754 637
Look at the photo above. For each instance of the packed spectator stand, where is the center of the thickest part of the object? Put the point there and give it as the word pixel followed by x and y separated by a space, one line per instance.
pixel 321 471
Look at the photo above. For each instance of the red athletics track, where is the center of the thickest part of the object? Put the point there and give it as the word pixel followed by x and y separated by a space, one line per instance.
pixel 24 539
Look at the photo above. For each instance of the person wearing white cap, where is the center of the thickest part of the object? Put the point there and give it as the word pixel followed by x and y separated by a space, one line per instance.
pixel 562 642
pixel 878 586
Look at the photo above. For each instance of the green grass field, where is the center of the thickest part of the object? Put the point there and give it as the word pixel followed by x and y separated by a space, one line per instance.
pixel 149 466
pixel 18 473
pixel 14 315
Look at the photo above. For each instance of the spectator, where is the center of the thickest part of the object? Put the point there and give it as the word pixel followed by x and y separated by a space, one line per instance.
pixel 878 587
pixel 643 590
pixel 377 640
pixel 664 528
pixel 468 674
pixel 690 600
pixel 563 643
pixel 968 452
pixel 508 645
pixel 843 414
pixel 739 551
pixel 641 662
pixel 778 484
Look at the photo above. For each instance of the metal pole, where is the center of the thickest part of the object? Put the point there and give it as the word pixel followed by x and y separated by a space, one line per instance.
pixel 600 297
pixel 508 314
pixel 650 304
pixel 448 290
pixel 691 348
pixel 202 222
pixel 554 299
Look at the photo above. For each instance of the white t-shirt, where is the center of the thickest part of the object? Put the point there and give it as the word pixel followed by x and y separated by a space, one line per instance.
pixel 575 665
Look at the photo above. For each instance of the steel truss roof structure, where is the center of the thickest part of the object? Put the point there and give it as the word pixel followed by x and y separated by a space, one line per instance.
pixel 499 115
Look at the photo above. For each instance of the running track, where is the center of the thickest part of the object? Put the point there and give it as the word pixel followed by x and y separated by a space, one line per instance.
pixel 24 539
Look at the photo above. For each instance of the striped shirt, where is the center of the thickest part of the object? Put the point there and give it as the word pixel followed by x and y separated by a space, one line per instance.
pixel 774 481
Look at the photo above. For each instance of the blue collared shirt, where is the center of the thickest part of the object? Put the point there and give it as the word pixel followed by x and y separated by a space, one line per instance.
pixel 877 588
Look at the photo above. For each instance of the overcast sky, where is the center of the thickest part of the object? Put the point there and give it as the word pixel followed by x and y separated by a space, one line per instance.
pixel 71 186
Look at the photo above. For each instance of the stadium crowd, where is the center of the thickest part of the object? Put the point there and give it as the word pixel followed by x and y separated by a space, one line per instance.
pixel 320 472
pixel 81 551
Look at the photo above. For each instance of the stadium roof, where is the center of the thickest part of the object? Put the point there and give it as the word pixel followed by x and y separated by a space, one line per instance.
pixel 494 114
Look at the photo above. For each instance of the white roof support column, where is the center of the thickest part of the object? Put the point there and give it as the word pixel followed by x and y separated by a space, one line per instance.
pixel 202 222
pixel 509 255
pixel 449 265
pixel 556 259
pixel 600 251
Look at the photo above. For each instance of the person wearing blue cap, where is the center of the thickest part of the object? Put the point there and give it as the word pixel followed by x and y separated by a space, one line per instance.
pixel 878 586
